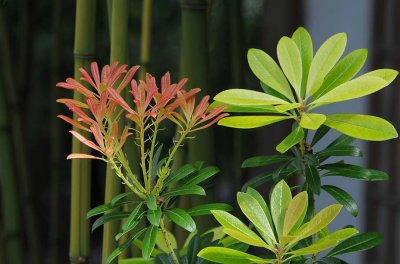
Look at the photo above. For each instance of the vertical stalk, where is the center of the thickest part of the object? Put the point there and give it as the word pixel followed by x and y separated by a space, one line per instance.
pixel 169 246
pixel 145 44
pixel 84 48
pixel 18 141
pixel 9 191
pixel 118 52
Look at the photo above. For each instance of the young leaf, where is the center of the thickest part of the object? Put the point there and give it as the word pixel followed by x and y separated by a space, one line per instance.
pixel 292 139
pixel 387 74
pixel 151 202
pixel 255 213
pixel 346 69
pixel 325 58
pixel 343 198
pixel 266 69
pixel 256 195
pixel 205 209
pixel 130 221
pixel 246 239
pixel 132 225
pixel 319 134
pixel 287 107
pixel 312 121
pixel 313 179
pixel 160 241
pixel 247 122
pixel 109 218
pixel 304 42
pixel 149 241
pixel 245 109
pixel 268 90
pixel 341 234
pixel 154 216
pixel 354 171
pixel 259 161
pixel 185 190
pixel 180 173
pixel 341 150
pixel 357 243
pixel 119 197
pixel 201 176
pixel 295 213
pixel 290 60
pixel 155 166
pixel 362 126
pixel 230 256
pixel 318 246
pixel 124 246
pixel 245 97
pixel 280 200
pixel 181 218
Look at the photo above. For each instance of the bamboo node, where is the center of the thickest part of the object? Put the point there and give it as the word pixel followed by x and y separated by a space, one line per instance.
pixel 78 259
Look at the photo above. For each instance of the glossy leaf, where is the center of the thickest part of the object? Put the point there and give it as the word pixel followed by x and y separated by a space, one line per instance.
pixel 362 126
pixel 357 243
pixel 354 171
pixel 342 140
pixel 286 107
pixel 129 222
pixel 324 60
pixel 101 209
pixel 319 134
pixel 181 218
pixel 270 91
pixel 255 213
pixel 341 234
pixel 292 139
pixel 266 69
pixel 295 213
pixel 230 256
pixel 132 226
pixel 149 241
pixel 245 109
pixel 312 121
pixel 160 241
pixel 316 247
pixel 247 122
pixel 201 175
pixel 387 74
pixel 245 97
pixel 343 198
pixel 180 173
pixel 313 179
pixel 341 150
pixel 151 202
pixel 124 246
pixel 304 42
pixel 109 218
pixel 256 195
pixel 280 199
pixel 259 161
pixel 154 216
pixel 185 190
pixel 290 60
pixel 205 209
pixel 246 239
pixel 118 197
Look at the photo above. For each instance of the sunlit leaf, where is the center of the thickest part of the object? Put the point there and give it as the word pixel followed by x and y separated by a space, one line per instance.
pixel 245 97
pixel 312 121
pixel 304 42
pixel 230 256
pixel 287 107
pixel 295 213
pixel 292 139
pixel 181 218
pixel 246 122
pixel 280 199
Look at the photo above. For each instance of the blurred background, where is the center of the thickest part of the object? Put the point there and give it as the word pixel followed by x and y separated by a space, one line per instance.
pixel 36 52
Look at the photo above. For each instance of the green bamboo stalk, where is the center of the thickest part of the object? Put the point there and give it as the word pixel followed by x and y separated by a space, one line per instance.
pixel 145 43
pixel 9 191
pixel 32 229
pixel 118 52
pixel 84 48
pixel 55 138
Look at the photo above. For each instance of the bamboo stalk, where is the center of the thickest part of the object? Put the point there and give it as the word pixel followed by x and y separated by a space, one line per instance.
pixel 9 193
pixel 31 227
pixel 145 44
pixel 118 52
pixel 84 47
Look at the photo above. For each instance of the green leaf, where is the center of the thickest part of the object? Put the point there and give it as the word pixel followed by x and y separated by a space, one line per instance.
pixel 259 161
pixel 362 126
pixel 151 202
pixel 319 221
pixel 325 58
pixel 258 180
pixel 319 134
pixel 330 260
pixel 156 163
pixel 342 140
pixel 280 200
pixel 136 261
pixel 313 179
pixel 304 42
pixel 160 241
pixel 124 246
pixel 101 209
pixel 286 107
pixel 295 213
pixel 205 209
pixel 340 150
pixel 354 171
pixel 246 239
pixel 245 109
pixel 290 60
pixel 230 256
pixel 357 243
pixel 180 173
pixel 343 198
pixel 292 139
pixel 119 197
pixel 387 74
pixel 319 246
pixel 266 69
pixel 270 91
pixel 247 122
pixel 256 195
pixel 185 190
pixel 130 221
pixel 312 121
pixel 341 234
pixel 201 176
pixel 149 241
pixel 154 216
pixel 130 228
pixel 255 213
pixel 245 97
pixel 181 218
pixel 346 69
pixel 109 218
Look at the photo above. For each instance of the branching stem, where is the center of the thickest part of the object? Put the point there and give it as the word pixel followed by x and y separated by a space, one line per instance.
pixel 169 246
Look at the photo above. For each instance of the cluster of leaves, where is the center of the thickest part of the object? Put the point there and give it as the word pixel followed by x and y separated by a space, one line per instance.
pixel 283 231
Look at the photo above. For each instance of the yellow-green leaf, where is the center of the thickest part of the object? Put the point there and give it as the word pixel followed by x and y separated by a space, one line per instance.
pixel 319 246
pixel 387 74
pixel 246 122
pixel 362 126
pixel 292 139
pixel 244 97
pixel 295 213
pixel 286 107
pixel 290 60
pixel 266 69
pixel 304 42
pixel 246 239
pixel 325 58
pixel 160 241
pixel 312 121
pixel 280 200
pixel 341 234
pixel 230 256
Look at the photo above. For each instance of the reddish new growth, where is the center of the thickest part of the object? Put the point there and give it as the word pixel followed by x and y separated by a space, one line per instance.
pixel 101 108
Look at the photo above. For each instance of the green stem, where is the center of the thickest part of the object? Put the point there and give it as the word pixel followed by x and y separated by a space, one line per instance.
pixel 169 246
pixel 143 159
pixel 125 164
pixel 151 153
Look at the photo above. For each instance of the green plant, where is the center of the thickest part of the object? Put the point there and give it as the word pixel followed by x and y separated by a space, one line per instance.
pixel 283 231
pixel 99 114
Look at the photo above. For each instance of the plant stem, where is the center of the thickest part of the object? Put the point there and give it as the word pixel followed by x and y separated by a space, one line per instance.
pixel 151 153
pixel 169 246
